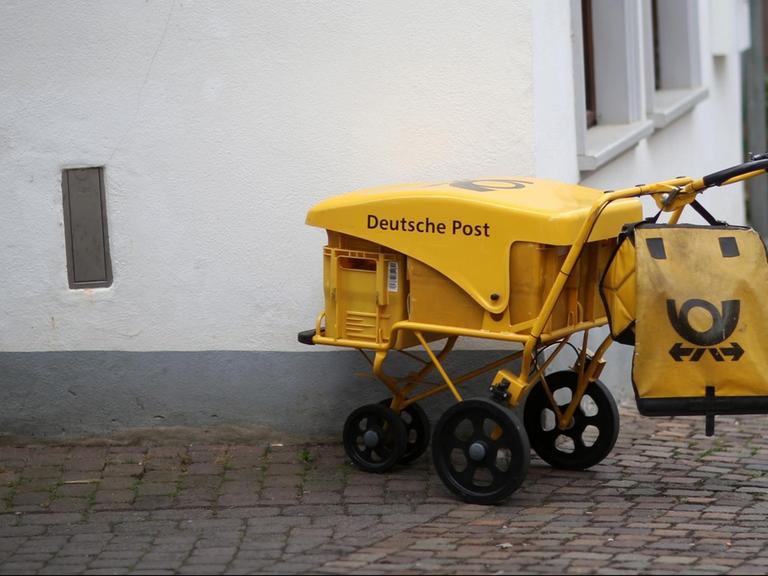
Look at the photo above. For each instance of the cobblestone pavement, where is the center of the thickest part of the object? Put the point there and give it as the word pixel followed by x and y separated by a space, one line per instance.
pixel 667 500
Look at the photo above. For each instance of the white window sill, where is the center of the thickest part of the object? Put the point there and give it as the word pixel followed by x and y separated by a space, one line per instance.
pixel 605 142
pixel 669 105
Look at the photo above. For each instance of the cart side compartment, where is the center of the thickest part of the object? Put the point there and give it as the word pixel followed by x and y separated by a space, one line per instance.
pixel 526 276
pixel 435 299
pixel 365 293
pixel 368 288
pixel 534 269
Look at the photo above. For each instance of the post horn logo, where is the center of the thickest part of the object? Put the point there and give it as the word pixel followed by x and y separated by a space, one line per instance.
pixel 724 322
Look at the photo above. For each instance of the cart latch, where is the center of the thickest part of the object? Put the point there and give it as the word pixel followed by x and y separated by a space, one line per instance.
pixel 587 362
pixel 506 387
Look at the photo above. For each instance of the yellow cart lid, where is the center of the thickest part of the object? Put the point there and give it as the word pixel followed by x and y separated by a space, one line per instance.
pixel 464 229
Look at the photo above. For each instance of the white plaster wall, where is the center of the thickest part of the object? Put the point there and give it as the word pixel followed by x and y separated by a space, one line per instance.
pixel 220 124
pixel 554 96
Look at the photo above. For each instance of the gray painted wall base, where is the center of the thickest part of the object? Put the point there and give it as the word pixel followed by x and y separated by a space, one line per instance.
pixel 100 393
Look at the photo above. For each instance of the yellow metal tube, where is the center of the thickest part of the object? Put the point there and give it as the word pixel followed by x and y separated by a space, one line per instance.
pixel 449 344
pixel 423 395
pixel 460 380
pixel 389 381
pixel 582 361
pixel 439 366
pixel 746 176
pixel 456 331
pixel 540 371
pixel 549 337
pixel 318 323
pixel 539 375
pixel 429 366
pixel 575 251
pixel 348 343
pixel 488 367
pixel 562 277
pixel 584 380
pixel 675 218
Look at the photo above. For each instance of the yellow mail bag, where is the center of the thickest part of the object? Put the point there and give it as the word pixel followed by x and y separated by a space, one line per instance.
pixel 692 300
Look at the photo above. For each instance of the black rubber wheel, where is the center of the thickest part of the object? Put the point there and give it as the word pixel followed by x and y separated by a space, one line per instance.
pixel 417 429
pixel 593 430
pixel 480 451
pixel 375 438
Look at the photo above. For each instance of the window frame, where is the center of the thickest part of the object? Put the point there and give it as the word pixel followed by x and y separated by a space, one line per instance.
pixel 671 43
pixel 627 106
pixel 621 121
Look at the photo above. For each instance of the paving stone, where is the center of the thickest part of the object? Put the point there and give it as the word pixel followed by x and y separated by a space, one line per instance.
pixel 663 502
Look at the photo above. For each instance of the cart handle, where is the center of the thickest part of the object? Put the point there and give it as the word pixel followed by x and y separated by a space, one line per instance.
pixel 757 163
pixel 755 167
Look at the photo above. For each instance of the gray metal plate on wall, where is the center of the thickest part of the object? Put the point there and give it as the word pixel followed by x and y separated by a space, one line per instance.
pixel 85 225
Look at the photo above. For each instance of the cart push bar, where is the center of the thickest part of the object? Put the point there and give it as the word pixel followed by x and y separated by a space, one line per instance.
pixel 757 164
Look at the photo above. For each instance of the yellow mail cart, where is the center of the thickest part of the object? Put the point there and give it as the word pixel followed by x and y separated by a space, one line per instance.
pixel 516 260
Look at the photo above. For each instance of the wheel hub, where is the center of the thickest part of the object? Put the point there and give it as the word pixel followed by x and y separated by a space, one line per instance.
pixel 371 438
pixel 477 451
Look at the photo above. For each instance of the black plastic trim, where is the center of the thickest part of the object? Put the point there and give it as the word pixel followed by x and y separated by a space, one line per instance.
pixel 729 248
pixel 702 405
pixel 718 178
pixel 656 248
pixel 307 337
pixel 627 337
